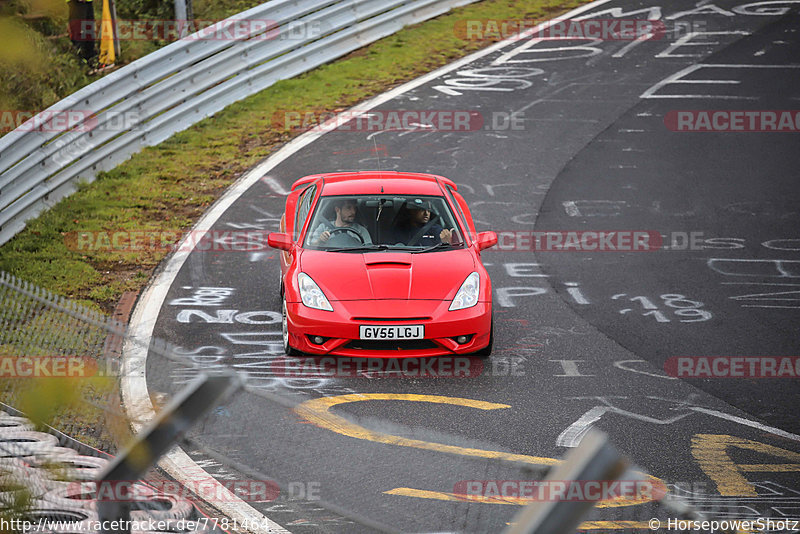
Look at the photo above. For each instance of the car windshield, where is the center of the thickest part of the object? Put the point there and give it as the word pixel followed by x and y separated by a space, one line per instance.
pixel 366 223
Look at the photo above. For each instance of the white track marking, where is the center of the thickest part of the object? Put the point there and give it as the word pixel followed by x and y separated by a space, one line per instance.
pixel 678 78
pixel 622 364
pixel 275 185
pixel 134 383
pixel 747 422
pixel 572 435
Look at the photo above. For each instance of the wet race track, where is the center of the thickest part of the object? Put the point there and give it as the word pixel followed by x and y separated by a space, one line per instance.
pixel 576 136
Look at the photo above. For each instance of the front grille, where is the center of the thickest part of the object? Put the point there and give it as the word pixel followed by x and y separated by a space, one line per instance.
pixel 410 344
pixel 394 319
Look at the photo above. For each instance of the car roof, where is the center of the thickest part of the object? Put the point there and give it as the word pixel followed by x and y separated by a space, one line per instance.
pixel 377 182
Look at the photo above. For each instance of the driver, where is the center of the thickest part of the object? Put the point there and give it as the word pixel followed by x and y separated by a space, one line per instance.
pixel 344 231
pixel 414 226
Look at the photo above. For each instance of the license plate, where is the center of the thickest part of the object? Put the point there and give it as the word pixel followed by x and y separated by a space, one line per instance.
pixel 412 331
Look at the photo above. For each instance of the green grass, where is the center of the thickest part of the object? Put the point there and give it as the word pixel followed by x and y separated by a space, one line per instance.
pixel 167 187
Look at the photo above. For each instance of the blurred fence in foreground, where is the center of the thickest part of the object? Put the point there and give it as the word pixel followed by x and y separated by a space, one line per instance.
pixel 60 363
pixel 57 362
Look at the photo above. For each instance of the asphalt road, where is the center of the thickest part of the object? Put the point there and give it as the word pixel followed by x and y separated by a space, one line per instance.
pixel 588 153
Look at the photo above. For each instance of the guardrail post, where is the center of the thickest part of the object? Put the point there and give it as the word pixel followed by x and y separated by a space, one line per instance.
pixel 594 459
pixel 180 16
pixel 157 438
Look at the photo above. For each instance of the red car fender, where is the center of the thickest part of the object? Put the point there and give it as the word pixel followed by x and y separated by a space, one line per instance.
pixel 486 286
pixel 291 288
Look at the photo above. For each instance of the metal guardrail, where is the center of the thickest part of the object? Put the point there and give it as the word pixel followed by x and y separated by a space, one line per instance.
pixel 175 87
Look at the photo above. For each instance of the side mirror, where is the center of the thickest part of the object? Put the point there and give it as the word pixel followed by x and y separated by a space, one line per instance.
pixel 284 241
pixel 486 240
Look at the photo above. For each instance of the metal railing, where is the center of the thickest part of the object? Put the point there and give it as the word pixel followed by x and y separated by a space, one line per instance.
pixel 49 480
pixel 144 103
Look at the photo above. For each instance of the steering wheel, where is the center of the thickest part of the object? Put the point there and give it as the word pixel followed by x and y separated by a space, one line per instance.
pixel 421 232
pixel 347 229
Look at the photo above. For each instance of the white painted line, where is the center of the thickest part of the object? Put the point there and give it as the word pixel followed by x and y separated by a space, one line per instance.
pixel 622 364
pixel 135 397
pixel 275 185
pixel 639 40
pixel 571 208
pixel 685 41
pixel 756 284
pixel 136 401
pixel 676 79
pixel 747 422
pixel 573 434
pixel 746 66
pixel 766 306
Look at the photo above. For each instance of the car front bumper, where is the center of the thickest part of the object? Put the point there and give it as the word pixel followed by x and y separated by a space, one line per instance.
pixel 340 328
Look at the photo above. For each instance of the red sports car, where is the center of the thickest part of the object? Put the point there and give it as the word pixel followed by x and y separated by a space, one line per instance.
pixel 382 264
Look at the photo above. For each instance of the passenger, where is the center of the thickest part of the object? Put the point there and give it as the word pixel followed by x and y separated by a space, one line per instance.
pixel 344 231
pixel 414 228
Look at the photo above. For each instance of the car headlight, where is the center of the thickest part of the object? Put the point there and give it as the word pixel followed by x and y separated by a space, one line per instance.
pixel 311 295
pixel 467 295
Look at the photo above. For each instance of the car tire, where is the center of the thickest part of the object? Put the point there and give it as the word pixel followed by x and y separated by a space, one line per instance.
pixel 287 348
pixel 487 350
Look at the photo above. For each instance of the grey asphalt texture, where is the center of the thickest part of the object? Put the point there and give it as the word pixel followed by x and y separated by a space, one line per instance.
pixel 589 154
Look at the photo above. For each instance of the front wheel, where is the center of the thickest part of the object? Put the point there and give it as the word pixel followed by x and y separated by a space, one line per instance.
pixel 287 348
pixel 487 350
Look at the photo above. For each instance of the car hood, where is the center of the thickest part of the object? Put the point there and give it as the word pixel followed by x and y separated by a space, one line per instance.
pixel 388 275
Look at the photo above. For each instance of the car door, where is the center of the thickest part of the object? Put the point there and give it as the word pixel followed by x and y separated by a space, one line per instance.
pixel 298 207
pixel 462 212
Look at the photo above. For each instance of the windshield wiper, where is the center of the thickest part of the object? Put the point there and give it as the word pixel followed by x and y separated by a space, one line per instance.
pixel 365 248
pixel 432 248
